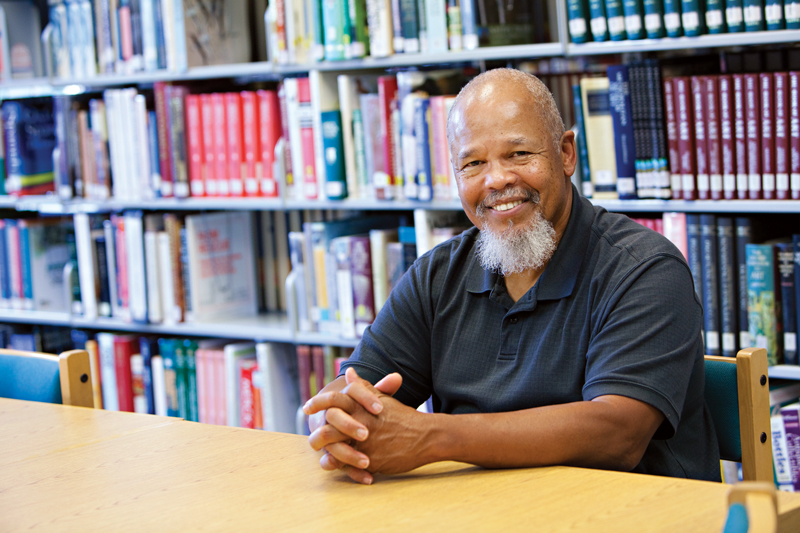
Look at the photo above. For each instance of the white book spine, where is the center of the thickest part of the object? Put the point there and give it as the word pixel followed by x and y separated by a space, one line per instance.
pixel 317 82
pixel 380 284
pixel 348 101
pixel 86 273
pixel 179 36
pixel 143 186
pixel 169 34
pixel 295 141
pixel 159 385
pixel 108 372
pixel 152 254
pixel 89 54
pixel 5 57
pixel 133 178
pixel 137 286
pixel 149 46
pixel 61 55
pixel 137 376
pixel 436 26
pixel 344 287
pixel 76 39
pixel 279 394
pixel 170 311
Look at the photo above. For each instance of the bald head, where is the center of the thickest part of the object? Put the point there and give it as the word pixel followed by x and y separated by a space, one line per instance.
pixel 484 86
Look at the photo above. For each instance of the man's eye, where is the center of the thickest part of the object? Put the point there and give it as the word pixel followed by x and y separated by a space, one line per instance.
pixel 519 154
pixel 471 164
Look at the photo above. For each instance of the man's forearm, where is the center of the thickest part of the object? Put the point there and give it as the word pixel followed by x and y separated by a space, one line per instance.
pixel 598 434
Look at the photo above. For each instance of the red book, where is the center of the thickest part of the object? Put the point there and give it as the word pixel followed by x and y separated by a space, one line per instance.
pixel 711 94
pixel 247 417
pixel 207 122
pixel 124 347
pixel 794 134
pixel 270 131
pixel 683 108
pixel 740 136
pixel 767 136
pixel 305 113
pixel 385 181
pixel 752 113
pixel 233 116
pixel 287 152
pixel 250 136
pixel 781 84
pixel 318 364
pixel 672 139
pixel 304 371
pixel 164 141
pixel 700 138
pixel 220 145
pixel 194 145
pixel 125 32
pixel 121 250
pixel 727 140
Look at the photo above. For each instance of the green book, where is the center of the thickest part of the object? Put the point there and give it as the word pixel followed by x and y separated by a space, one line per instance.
pixel 734 15
pixel 773 12
pixel 333 146
pixel 715 17
pixel 634 19
pixel 336 21
pixel 597 20
pixel 190 348
pixel 615 16
pixel 763 300
pixel 181 379
pixel 753 15
pixel 359 38
pixel 314 12
pixel 360 149
pixel 791 12
pixel 654 19
pixel 578 12
pixel 692 18
pixel 672 18
pixel 166 348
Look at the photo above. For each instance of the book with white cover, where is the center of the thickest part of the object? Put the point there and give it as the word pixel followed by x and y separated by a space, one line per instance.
pixel 108 372
pixel 221 265
pixel 86 271
pixel 280 394
pixel 137 285
pixel 233 353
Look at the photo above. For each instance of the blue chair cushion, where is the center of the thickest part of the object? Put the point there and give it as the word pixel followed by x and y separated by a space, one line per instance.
pixel 737 521
pixel 722 398
pixel 29 378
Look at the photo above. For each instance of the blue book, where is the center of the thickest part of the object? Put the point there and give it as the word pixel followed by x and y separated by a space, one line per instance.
pixel 788 301
pixel 634 19
pixel 753 15
pixel 619 99
pixel 29 142
pixel 672 18
pixel 694 249
pixel 25 342
pixel 654 19
pixel 708 259
pixel 763 300
pixel 422 141
pixel 580 143
pixel 727 286
pixel 734 15
pixel 597 20
pixel 796 258
pixel 25 263
pixel 742 240
pixel 578 13
pixel 773 12
pixel 692 18
pixel 166 348
pixel 333 146
pixel 5 281
pixel 79 338
pixel 615 16
pixel 792 14
pixel 161 47
pixel 155 161
pixel 715 16
pixel 148 348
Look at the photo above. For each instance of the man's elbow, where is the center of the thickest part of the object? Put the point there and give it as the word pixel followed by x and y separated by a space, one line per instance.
pixel 627 454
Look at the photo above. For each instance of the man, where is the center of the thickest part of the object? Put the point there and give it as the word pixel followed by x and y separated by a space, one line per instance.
pixel 553 332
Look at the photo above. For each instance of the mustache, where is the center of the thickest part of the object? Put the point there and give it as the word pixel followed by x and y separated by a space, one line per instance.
pixel 496 197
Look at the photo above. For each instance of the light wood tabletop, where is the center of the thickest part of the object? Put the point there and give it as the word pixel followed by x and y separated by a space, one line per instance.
pixel 70 468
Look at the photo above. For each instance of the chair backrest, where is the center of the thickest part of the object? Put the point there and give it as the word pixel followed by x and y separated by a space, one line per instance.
pixel 41 377
pixel 737 395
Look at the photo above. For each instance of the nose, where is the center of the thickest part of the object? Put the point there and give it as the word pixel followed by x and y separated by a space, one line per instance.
pixel 499 177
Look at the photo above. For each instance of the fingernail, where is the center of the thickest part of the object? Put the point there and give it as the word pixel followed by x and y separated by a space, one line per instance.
pixel 363 463
pixel 361 434
pixel 368 480
pixel 377 407
pixel 305 407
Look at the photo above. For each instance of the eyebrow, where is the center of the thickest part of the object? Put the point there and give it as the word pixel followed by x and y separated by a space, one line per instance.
pixel 465 154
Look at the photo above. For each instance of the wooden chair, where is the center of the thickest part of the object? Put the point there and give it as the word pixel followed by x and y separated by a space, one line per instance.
pixel 40 377
pixel 752 508
pixel 737 394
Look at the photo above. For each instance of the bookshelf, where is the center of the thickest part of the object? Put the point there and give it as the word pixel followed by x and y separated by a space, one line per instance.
pixel 280 327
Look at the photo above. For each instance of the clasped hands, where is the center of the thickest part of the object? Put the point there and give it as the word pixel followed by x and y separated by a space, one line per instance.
pixel 363 430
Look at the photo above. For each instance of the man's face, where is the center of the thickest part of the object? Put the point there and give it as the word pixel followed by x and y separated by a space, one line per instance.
pixel 504 160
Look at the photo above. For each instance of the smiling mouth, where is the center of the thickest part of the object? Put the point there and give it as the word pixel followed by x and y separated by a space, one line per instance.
pixel 507 206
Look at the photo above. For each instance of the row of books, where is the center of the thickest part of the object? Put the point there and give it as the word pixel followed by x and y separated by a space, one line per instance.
pixel 785 429
pixel 728 136
pixel 749 290
pixel 303 32
pixel 618 20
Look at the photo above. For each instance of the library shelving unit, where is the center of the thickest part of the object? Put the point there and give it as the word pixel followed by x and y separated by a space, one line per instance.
pixel 277 327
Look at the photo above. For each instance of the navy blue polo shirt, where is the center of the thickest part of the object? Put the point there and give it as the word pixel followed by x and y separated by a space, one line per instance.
pixel 614 312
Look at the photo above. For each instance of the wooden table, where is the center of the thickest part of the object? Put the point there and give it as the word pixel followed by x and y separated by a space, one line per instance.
pixel 75 469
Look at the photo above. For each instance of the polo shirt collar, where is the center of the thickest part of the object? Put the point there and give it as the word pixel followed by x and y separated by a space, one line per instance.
pixel 558 279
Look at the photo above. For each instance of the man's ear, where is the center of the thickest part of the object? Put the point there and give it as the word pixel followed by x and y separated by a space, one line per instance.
pixel 569 153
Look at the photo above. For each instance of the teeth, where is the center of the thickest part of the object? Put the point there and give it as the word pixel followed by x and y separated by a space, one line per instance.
pixel 506 207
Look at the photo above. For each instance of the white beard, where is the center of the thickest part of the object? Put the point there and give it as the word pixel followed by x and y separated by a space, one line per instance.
pixel 517 249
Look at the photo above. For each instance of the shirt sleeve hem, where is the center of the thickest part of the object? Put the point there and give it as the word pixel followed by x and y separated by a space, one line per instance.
pixel 639 392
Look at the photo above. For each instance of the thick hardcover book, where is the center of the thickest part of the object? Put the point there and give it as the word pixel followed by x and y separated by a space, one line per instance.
pixel 653 19
pixel 615 16
pixel 782 155
pixel 773 13
pixel 764 300
pixel 727 139
pixel 672 139
pixel 788 301
pixel 599 137
pixel 620 106
pixel 700 138
pixel 743 238
pixel 685 115
pixel 734 15
pixel 580 143
pixel 672 18
pixel 728 303
pixel 796 259
pixel 578 12
pixel 767 136
pixel 752 110
pixel 29 142
pixel 753 15
pixel 711 94
pixel 710 268
pixel 740 135
pixel 234 355
pixel 791 11
pixel 794 134
pixel 597 20
pixel 692 18
pixel 634 19
pixel 695 252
